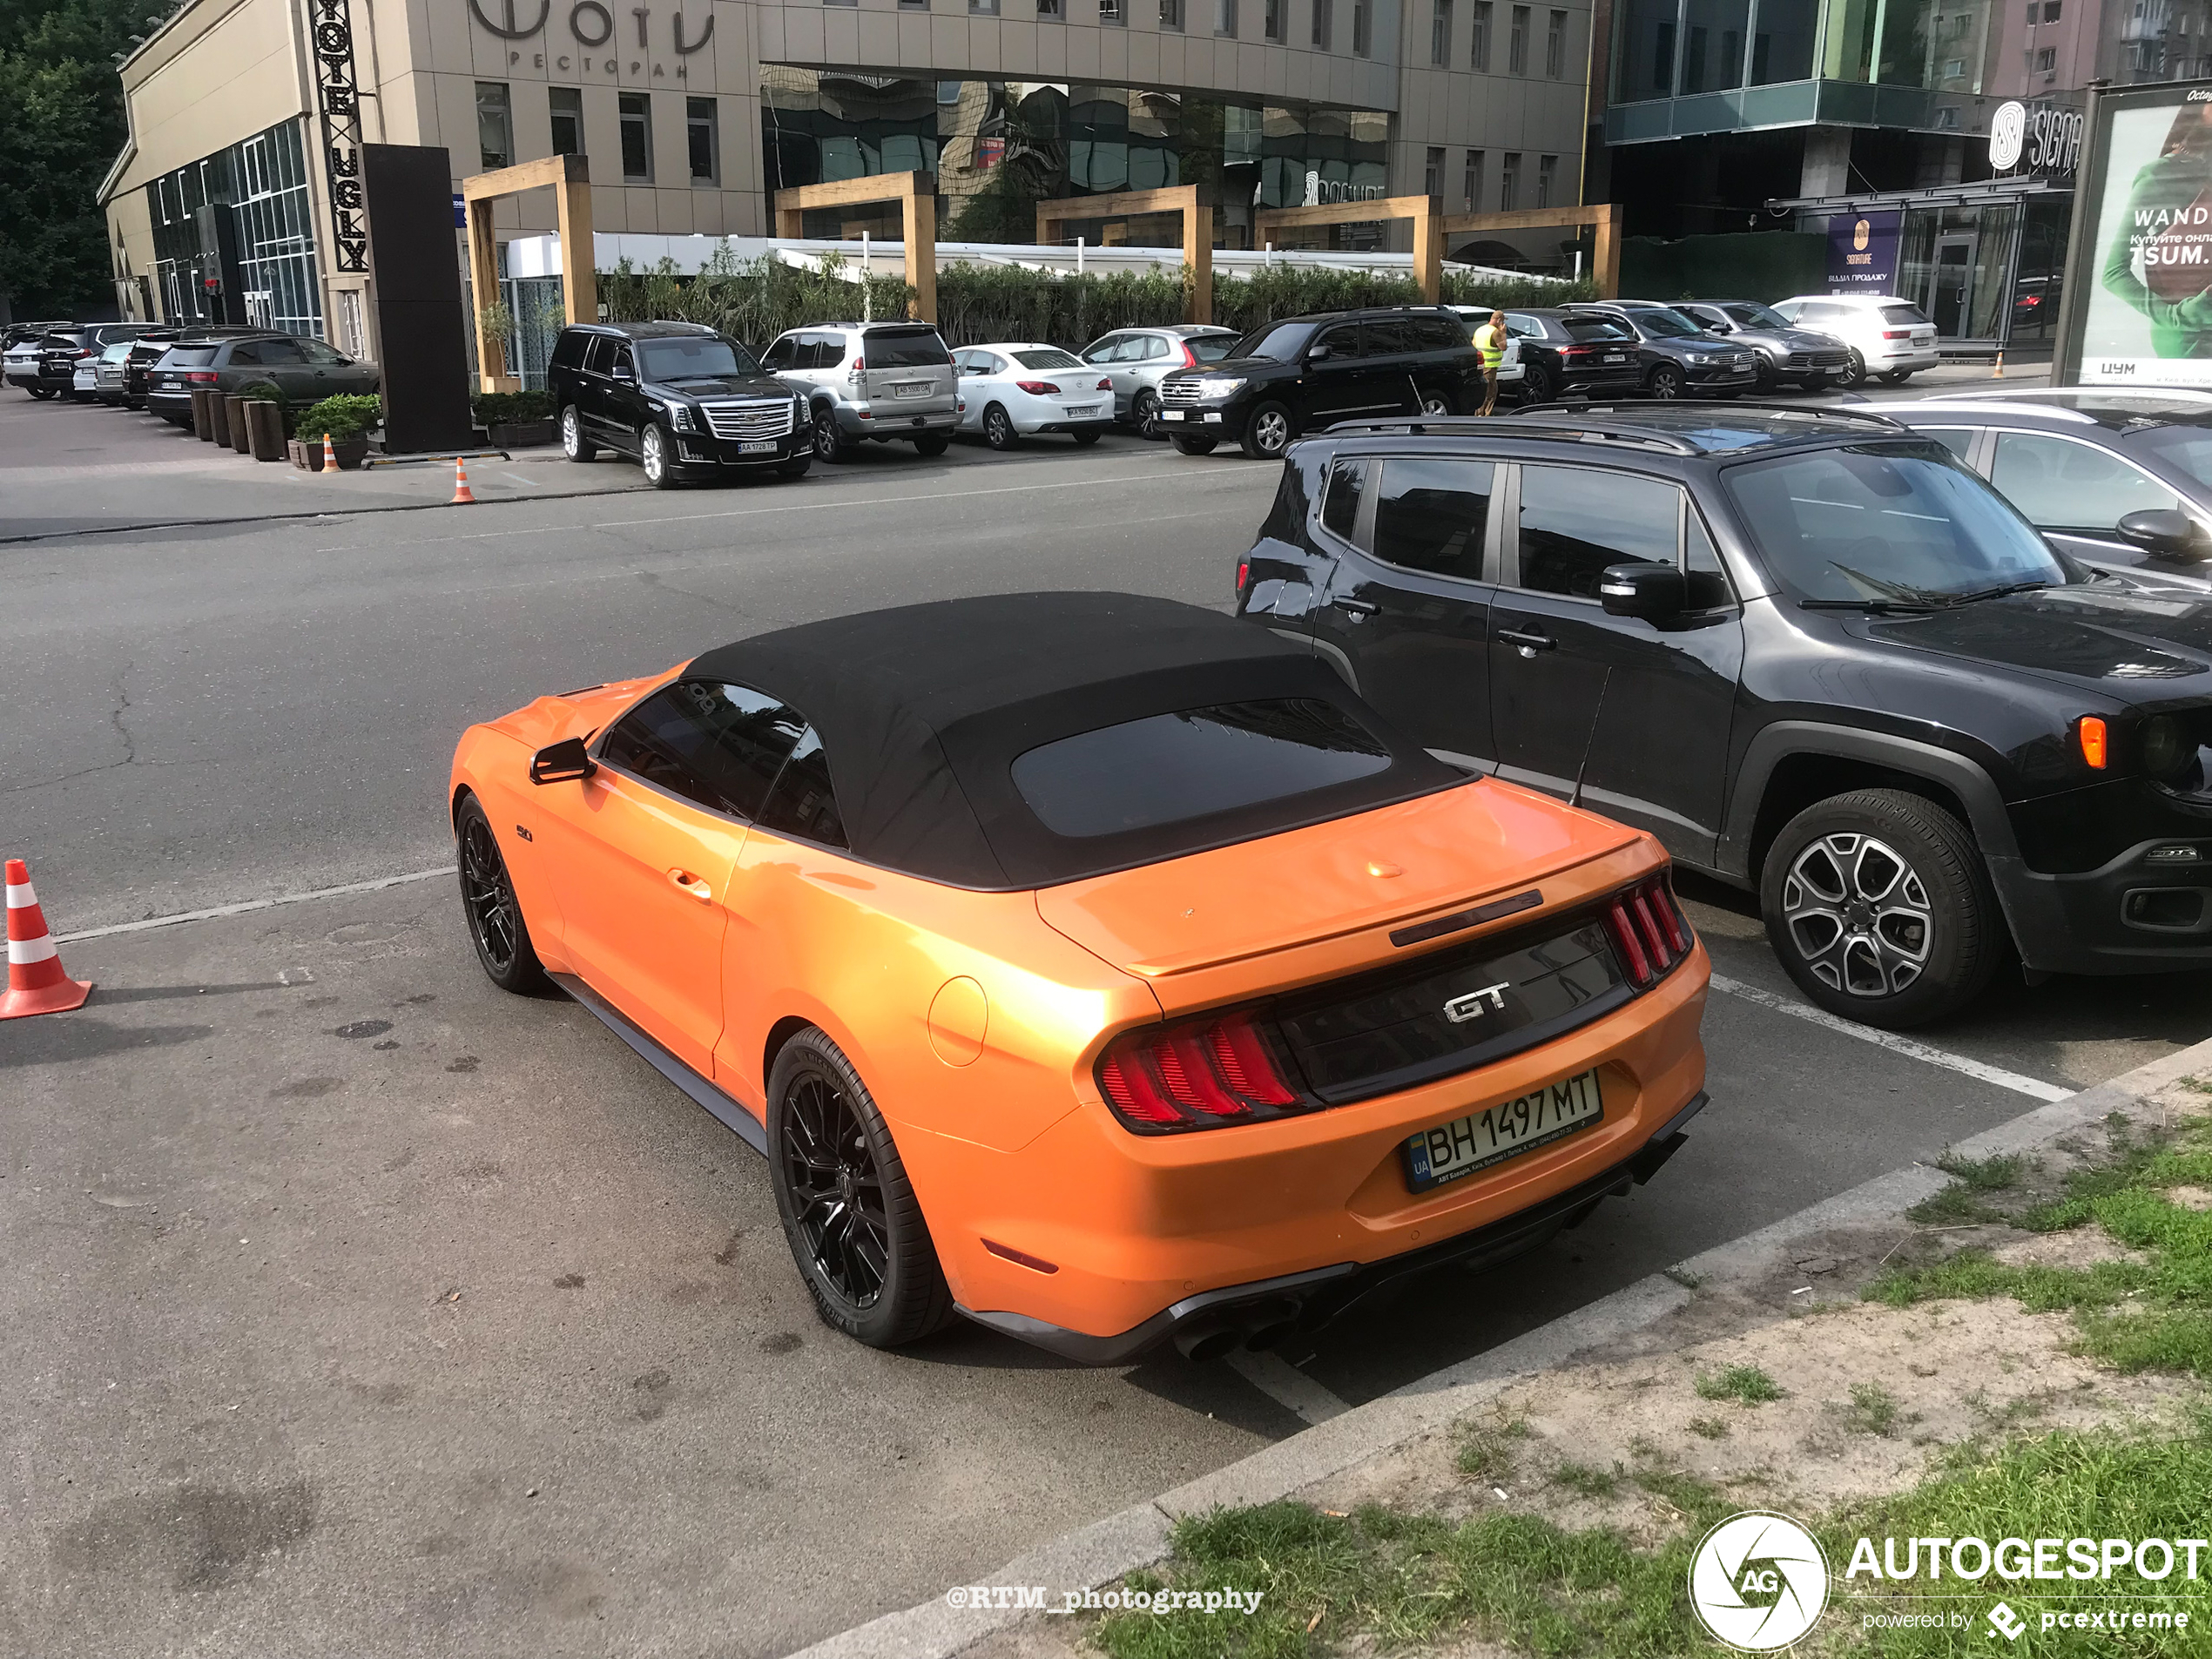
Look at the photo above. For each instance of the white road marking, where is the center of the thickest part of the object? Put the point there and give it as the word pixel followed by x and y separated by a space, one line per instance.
pixel 1996 1076
pixel 245 906
pixel 1286 1386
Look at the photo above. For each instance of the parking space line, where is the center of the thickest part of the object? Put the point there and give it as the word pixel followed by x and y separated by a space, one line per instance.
pixel 1995 1076
pixel 248 905
pixel 1286 1386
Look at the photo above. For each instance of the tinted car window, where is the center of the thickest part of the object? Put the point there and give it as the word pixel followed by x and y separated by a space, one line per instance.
pixel 904 349
pixel 1339 342
pixel 802 803
pixel 1574 524
pixel 2061 484
pixel 1667 325
pixel 1701 565
pixel 1898 521
pixel 702 355
pixel 567 350
pixel 1049 358
pixel 1584 330
pixel 601 357
pixel 1904 314
pixel 1389 338
pixel 1278 342
pixel 282 351
pixel 779 356
pixel 319 352
pixel 1169 767
pixel 1210 348
pixel 189 356
pixel 247 351
pixel 1957 439
pixel 1433 333
pixel 721 745
pixel 2186 449
pixel 1433 515
pixel 1757 316
pixel 1340 505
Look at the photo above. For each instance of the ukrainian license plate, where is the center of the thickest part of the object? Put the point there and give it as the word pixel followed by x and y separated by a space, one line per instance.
pixel 1083 411
pixel 757 447
pixel 1170 415
pixel 1616 357
pixel 919 389
pixel 1481 1139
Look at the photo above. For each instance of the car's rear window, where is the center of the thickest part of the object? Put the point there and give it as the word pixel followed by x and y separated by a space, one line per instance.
pixel 191 356
pixel 903 348
pixel 1904 314
pixel 1052 357
pixel 1585 329
pixel 1166 768
pixel 1210 348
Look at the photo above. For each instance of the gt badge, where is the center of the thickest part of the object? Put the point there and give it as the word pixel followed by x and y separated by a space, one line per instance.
pixel 1461 1009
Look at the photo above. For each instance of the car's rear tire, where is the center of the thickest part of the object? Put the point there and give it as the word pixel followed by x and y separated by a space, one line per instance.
pixel 998 429
pixel 1815 383
pixel 1895 376
pixel 42 392
pixel 1194 446
pixel 1084 439
pixel 574 443
pixel 494 916
pixel 830 443
pixel 1536 385
pixel 1268 432
pixel 1144 415
pixel 656 454
pixel 932 443
pixel 1880 908
pixel 848 1212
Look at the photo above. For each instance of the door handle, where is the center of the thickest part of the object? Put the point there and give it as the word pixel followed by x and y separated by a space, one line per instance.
pixel 691 884
pixel 1529 641
pixel 1357 607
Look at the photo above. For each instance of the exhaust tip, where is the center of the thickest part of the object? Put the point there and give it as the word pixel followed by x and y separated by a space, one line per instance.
pixel 1208 1344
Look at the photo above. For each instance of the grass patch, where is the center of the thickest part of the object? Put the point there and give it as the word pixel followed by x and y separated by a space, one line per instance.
pixel 1708 1428
pixel 1873 1410
pixel 1745 1383
pixel 1585 1482
pixel 1684 1276
pixel 1486 1451
pixel 1961 1202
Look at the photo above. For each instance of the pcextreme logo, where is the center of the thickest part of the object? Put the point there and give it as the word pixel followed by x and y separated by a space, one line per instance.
pixel 1758 1581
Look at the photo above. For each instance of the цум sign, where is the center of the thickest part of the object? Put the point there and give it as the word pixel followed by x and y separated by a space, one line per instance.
pixel 1862 251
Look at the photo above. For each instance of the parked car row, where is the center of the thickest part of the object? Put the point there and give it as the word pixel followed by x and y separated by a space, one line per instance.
pixel 149 366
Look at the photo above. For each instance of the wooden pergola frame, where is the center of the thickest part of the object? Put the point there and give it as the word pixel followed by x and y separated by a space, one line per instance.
pixel 569 178
pixel 916 194
pixel 1194 205
pixel 1426 212
pixel 1605 259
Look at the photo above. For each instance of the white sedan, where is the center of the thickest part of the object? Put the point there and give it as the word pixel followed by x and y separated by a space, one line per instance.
pixel 1010 393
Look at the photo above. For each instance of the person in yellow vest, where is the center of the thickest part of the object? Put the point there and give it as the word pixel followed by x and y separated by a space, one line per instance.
pixel 1490 341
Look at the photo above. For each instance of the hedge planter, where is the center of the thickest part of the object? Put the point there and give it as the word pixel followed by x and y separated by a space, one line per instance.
pixel 234 413
pixel 203 418
pixel 306 453
pixel 265 430
pixel 522 435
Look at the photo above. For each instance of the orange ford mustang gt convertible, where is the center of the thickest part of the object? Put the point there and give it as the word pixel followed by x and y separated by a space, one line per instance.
pixel 1095 967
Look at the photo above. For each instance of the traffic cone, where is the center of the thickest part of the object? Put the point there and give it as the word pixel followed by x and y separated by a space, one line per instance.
pixel 1997 374
pixel 463 497
pixel 36 982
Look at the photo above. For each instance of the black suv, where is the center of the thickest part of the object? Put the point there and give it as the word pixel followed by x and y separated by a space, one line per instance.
pixel 1807 649
pixel 1680 359
pixel 683 399
pixel 1561 351
pixel 1301 373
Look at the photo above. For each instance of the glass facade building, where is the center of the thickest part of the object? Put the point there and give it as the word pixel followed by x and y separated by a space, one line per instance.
pixel 234 236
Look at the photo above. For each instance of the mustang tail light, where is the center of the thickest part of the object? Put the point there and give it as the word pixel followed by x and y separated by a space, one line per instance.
pixel 1197 1074
pixel 1039 389
pixel 2096 741
pixel 1649 930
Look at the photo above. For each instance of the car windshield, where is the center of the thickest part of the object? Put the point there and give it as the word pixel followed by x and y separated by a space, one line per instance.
pixel 2186 449
pixel 1756 316
pixel 1049 357
pixel 1890 522
pixel 1210 348
pixel 1667 325
pixel 1278 342
pixel 694 358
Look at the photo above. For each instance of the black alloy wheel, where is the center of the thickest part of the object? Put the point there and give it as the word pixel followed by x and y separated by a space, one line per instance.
pixel 1854 372
pixel 830 443
pixel 574 444
pixel 1144 415
pixel 998 429
pixel 496 924
pixel 1536 384
pixel 1268 432
pixel 1666 381
pixel 848 1212
pixel 42 392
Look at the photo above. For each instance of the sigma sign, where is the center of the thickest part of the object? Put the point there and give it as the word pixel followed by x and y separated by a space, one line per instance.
pixel 2045 141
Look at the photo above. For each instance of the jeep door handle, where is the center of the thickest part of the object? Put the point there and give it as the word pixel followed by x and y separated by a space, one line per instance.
pixel 691 884
pixel 1528 641
pixel 1357 607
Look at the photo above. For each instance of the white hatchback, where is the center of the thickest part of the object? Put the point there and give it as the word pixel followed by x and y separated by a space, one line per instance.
pixel 1011 392
pixel 1889 338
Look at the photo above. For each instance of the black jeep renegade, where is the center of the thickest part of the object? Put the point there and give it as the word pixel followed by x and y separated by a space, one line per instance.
pixel 1806 649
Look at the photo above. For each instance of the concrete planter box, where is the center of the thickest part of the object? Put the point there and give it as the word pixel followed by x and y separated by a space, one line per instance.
pixel 265 430
pixel 523 434
pixel 234 424
pixel 306 454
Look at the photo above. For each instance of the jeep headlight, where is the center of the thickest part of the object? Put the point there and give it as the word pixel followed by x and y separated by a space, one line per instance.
pixel 2166 747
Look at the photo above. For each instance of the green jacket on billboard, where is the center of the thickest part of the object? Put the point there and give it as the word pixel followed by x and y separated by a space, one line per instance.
pixel 2164 190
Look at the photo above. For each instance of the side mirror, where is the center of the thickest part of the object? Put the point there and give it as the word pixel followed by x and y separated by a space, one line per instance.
pixel 561 762
pixel 1318 355
pixel 2164 532
pixel 1654 592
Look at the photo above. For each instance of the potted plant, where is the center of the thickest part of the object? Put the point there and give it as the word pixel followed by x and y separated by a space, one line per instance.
pixel 262 404
pixel 514 419
pixel 346 420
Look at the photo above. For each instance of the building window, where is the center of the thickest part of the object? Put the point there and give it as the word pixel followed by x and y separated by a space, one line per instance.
pixel 2050 10
pixel 567 106
pixel 1555 47
pixel 1272 19
pixel 1509 182
pixel 1478 53
pixel 990 8
pixel 1048 8
pixel 1439 33
pixel 1432 171
pixel 703 133
pixel 1324 20
pixel 913 5
pixel 1359 42
pixel 1110 12
pixel 2030 13
pixel 1225 19
pixel 636 136
pixel 1471 185
pixel 1517 43
pixel 2048 59
pixel 1547 170
pixel 1954 68
pixel 495 125
pixel 1171 15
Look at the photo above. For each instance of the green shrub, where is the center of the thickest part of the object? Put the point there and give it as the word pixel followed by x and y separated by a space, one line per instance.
pixel 511 409
pixel 259 392
pixel 347 416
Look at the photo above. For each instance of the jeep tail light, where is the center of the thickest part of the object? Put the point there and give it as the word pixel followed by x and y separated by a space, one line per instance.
pixel 2096 742
pixel 1195 1073
pixel 1649 930
pixel 1039 389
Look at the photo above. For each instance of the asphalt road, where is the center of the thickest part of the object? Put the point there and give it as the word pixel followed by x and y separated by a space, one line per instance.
pixel 303 1440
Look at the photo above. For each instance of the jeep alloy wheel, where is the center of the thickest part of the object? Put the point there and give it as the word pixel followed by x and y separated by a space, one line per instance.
pixel 1858 913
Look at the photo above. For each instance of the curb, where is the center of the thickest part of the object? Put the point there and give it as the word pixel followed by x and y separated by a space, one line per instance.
pixel 1137 1537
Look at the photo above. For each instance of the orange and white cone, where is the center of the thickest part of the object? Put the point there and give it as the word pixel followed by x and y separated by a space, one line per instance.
pixel 462 495
pixel 36 982
pixel 329 454
pixel 1998 374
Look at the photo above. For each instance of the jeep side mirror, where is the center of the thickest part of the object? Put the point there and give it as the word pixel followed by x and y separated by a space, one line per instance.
pixel 2168 534
pixel 1655 592
pixel 561 762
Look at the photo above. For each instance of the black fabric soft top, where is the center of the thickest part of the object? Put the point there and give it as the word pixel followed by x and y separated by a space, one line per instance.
pixel 923 708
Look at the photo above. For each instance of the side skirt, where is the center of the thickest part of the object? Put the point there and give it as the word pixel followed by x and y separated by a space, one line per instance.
pixel 725 1107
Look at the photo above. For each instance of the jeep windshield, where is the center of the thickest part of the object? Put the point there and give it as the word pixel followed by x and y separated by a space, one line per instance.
pixel 1887 525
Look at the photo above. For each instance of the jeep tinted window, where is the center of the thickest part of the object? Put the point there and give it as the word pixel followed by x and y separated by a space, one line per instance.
pixel 1433 514
pixel 188 357
pixel 1340 505
pixel 1574 522
pixel 903 348
pixel 1169 767
pixel 721 745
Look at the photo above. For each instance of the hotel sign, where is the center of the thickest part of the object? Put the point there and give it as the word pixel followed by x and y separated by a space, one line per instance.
pixel 590 26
